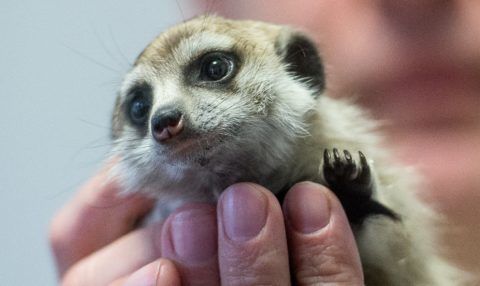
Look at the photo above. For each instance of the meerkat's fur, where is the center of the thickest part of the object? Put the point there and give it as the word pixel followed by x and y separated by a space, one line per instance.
pixel 268 121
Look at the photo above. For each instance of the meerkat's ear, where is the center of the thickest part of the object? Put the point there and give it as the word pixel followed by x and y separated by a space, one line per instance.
pixel 302 59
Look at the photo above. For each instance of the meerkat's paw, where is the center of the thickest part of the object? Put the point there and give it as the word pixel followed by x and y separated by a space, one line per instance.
pixel 342 173
pixel 353 184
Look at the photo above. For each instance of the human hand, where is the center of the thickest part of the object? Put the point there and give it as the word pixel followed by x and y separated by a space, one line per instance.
pixel 94 237
pixel 95 243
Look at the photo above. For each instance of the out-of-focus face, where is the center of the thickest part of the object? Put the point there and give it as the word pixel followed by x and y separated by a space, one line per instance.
pixel 415 64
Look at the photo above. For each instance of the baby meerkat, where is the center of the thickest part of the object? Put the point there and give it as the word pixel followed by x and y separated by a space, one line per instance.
pixel 212 102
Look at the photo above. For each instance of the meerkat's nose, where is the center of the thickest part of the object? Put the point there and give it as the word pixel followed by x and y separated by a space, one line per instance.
pixel 166 123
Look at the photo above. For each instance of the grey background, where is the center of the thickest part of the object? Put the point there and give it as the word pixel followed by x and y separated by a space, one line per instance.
pixel 60 65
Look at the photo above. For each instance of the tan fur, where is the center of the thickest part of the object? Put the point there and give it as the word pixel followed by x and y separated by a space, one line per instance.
pixel 295 127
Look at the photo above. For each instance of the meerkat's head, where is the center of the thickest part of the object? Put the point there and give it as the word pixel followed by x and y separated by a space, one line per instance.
pixel 219 95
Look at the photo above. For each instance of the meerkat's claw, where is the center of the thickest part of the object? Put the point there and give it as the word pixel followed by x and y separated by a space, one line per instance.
pixel 365 177
pixel 350 167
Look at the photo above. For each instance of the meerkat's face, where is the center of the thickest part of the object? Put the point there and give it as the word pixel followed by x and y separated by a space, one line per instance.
pixel 213 87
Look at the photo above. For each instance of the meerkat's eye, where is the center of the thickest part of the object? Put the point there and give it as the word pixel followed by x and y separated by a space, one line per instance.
pixel 216 66
pixel 139 108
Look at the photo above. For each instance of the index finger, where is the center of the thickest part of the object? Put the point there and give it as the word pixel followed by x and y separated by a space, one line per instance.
pixel 96 216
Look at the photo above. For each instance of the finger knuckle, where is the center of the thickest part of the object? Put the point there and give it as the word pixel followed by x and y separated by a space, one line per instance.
pixel 58 232
pixel 73 277
pixel 328 265
pixel 253 267
pixel 84 272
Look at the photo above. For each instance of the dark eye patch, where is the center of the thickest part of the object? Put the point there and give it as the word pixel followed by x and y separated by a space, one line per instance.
pixel 138 105
pixel 216 66
pixel 213 68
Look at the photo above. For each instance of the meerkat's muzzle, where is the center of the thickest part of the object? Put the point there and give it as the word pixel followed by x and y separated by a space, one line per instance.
pixel 166 123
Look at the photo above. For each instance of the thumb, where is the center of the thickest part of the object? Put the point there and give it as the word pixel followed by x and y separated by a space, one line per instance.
pixel 320 239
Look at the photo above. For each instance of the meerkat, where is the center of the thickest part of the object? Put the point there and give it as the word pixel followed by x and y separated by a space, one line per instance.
pixel 212 102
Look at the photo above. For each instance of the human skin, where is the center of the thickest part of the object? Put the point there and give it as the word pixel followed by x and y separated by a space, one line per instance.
pixel 416 66
pixel 241 241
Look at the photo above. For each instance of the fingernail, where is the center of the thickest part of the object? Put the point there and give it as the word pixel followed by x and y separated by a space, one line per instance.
pixel 243 212
pixel 194 234
pixel 145 276
pixel 307 208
